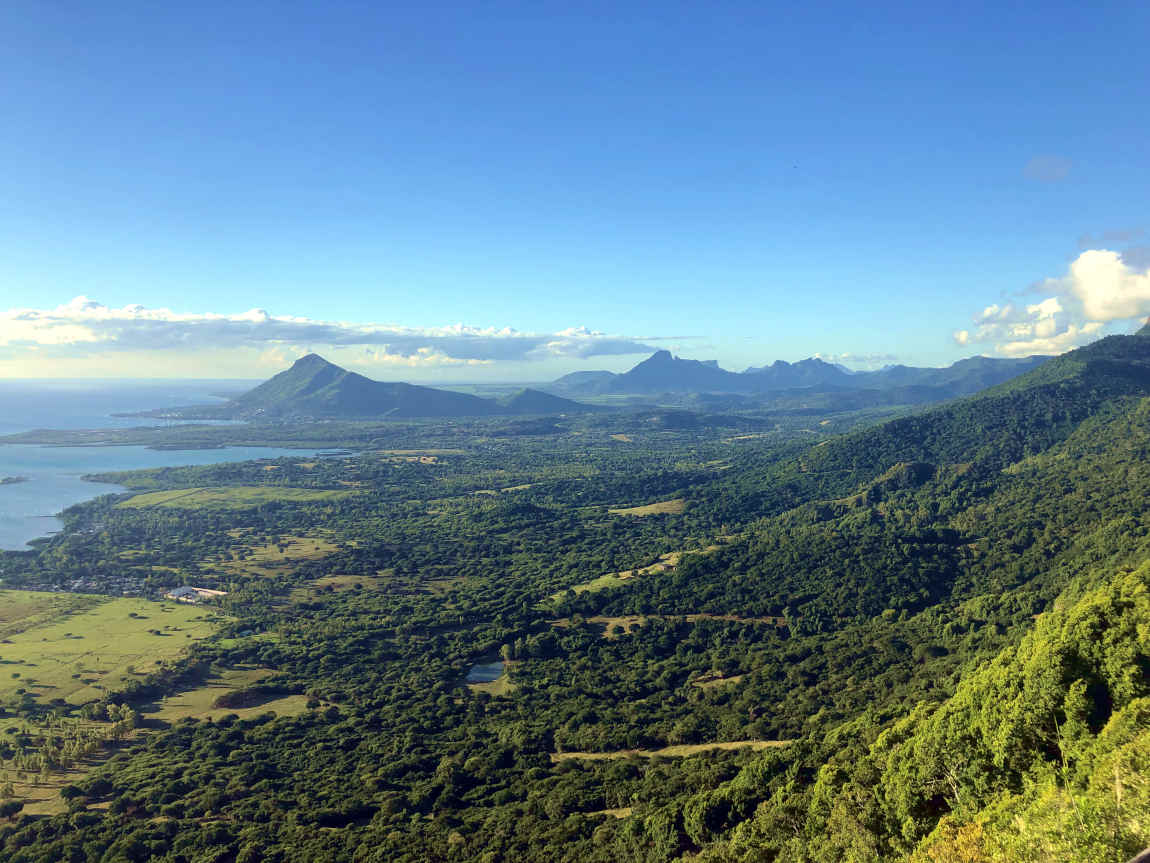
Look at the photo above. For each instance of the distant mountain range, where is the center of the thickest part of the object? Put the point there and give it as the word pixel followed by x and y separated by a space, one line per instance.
pixel 663 373
pixel 314 388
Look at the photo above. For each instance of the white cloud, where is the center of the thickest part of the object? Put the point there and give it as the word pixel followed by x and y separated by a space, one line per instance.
pixel 866 362
pixel 1100 288
pixel 84 327
pixel 1107 287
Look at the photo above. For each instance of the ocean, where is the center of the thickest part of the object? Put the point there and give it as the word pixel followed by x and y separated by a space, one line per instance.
pixel 28 509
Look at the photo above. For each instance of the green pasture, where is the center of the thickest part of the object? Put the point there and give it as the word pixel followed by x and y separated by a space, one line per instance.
pixel 231 497
pixel 79 651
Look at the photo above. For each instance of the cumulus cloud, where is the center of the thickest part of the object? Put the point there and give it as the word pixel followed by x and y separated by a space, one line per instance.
pixel 1100 288
pixel 859 361
pixel 86 327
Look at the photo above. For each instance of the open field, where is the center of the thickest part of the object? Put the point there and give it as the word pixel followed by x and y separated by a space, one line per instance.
pixel 201 702
pixel 420 452
pixel 24 609
pixel 41 794
pixel 231 497
pixel 40 791
pixel 271 558
pixel 683 750
pixel 712 681
pixel 81 654
pixel 664 564
pixel 502 685
pixel 335 584
pixel 510 488
pixel 663 507
pixel 613 627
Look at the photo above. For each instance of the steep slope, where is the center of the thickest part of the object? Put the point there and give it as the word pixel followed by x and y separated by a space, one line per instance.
pixel 928 507
pixel 1039 755
pixel 662 372
pixel 964 377
pixel 315 387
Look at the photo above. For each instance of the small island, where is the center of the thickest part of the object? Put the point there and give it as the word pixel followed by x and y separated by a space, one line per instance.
pixel 12 480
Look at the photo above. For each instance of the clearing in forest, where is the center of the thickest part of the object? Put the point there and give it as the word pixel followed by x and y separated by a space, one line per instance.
pixel 614 627
pixel 234 691
pixel 664 564
pixel 420 452
pixel 712 680
pixel 231 497
pixel 335 584
pixel 80 653
pixel 272 558
pixel 663 507
pixel 501 685
pixel 228 692
pixel 683 750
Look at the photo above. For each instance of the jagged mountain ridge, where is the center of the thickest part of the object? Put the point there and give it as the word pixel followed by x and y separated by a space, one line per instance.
pixel 663 372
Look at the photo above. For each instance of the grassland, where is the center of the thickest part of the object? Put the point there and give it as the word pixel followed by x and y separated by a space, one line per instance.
pixel 231 497
pixel 273 558
pixel 502 685
pixel 79 651
pixel 41 794
pixel 713 681
pixel 663 507
pixel 40 791
pixel 614 627
pixel 682 750
pixel 335 584
pixel 664 564
pixel 24 609
pixel 202 702
pixel 420 452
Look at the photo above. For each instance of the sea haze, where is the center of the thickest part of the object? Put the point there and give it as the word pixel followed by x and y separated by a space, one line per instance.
pixel 28 509
pixel 26 405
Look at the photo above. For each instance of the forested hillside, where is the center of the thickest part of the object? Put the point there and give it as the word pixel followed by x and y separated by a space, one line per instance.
pixel 926 639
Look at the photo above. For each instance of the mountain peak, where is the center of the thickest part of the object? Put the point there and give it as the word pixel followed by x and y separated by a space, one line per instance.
pixel 311 361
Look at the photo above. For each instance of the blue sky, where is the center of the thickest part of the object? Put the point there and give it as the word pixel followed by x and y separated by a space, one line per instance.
pixel 744 181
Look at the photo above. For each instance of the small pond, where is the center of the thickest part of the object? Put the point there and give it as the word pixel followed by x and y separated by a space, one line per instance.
pixel 485 672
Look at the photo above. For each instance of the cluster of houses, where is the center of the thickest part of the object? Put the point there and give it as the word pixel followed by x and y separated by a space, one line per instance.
pixel 125 586
pixel 191 594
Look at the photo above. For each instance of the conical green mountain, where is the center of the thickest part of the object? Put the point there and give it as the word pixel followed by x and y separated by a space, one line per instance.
pixel 314 387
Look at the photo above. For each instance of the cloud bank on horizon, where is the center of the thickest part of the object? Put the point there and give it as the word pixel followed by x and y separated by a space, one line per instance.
pixel 84 328
pixel 1100 288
